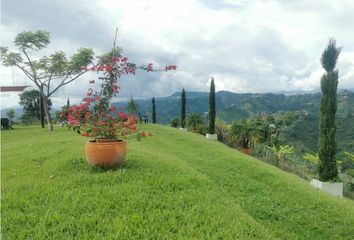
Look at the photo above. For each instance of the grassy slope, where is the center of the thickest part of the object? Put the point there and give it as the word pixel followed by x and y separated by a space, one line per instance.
pixel 173 185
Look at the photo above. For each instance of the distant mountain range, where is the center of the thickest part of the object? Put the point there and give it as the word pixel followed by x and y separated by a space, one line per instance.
pixel 302 132
pixel 232 106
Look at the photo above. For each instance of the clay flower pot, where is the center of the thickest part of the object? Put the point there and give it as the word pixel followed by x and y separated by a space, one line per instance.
pixel 106 154
pixel 246 151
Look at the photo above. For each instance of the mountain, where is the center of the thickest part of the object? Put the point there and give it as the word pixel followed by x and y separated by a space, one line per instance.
pixel 18 112
pixel 301 131
pixel 232 106
pixel 168 108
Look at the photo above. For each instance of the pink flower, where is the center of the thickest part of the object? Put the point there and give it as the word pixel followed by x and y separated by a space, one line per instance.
pixel 115 59
pixel 112 109
pixel 122 116
pixel 89 92
pixel 115 89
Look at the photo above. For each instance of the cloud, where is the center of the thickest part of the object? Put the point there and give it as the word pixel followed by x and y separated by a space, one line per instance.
pixel 247 46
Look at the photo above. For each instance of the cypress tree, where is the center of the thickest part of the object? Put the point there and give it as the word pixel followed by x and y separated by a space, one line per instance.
pixel 132 106
pixel 183 109
pixel 212 112
pixel 329 83
pixel 153 110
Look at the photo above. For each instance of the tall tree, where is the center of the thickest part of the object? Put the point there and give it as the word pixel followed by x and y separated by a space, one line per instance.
pixel 132 106
pixel 183 109
pixel 30 100
pixel 153 110
pixel 329 83
pixel 212 112
pixel 48 73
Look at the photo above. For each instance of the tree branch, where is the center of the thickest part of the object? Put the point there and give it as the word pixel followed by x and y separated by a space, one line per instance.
pixel 28 75
pixel 64 82
pixel 31 64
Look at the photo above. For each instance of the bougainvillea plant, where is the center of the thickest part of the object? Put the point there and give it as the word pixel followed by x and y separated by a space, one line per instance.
pixel 95 116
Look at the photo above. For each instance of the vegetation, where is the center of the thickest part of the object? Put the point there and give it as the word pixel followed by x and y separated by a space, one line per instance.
pixel 32 104
pixel 153 111
pixel 173 185
pixel 222 130
pixel 175 122
pixel 62 115
pixel 11 114
pixel 183 109
pixel 49 74
pixel 194 120
pixel 132 107
pixel 280 153
pixel 245 132
pixel 329 82
pixel 212 110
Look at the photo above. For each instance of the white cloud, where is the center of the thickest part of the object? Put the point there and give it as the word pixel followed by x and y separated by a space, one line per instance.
pixel 248 46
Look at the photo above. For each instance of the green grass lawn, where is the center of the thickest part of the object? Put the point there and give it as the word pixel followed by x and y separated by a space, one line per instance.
pixel 174 185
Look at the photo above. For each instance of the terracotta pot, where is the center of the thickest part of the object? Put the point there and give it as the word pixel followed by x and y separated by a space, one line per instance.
pixel 109 154
pixel 246 151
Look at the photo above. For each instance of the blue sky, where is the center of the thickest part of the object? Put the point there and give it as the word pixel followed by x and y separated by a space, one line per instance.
pixel 247 46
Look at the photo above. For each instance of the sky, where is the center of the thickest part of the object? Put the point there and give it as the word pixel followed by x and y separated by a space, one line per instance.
pixel 245 45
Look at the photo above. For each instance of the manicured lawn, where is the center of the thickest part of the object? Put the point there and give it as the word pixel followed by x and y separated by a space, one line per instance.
pixel 174 185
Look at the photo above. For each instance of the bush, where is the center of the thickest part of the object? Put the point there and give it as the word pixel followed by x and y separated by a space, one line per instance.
pixel 175 122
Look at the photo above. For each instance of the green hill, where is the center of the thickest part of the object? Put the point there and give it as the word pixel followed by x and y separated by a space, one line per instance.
pixel 170 107
pixel 174 185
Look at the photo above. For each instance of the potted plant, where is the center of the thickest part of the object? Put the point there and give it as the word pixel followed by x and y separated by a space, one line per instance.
pixel 95 117
pixel 183 111
pixel 212 113
pixel 330 187
pixel 327 169
pixel 194 120
pixel 244 132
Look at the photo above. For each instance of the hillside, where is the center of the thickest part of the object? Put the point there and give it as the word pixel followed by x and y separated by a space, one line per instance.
pixel 174 185
pixel 169 107
pixel 231 106
pixel 302 132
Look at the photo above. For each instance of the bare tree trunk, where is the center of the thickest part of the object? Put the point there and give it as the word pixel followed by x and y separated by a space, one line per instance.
pixel 46 112
pixel 41 110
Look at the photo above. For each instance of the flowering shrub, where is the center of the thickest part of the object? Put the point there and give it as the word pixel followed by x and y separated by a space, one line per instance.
pixel 94 116
pixel 88 119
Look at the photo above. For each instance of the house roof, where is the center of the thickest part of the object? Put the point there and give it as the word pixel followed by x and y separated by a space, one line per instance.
pixel 12 88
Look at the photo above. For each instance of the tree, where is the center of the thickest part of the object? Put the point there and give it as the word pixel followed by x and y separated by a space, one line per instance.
pixel 175 122
pixel 183 109
pixel 30 100
pixel 132 106
pixel 222 130
pixel 153 110
pixel 212 112
pixel 62 116
pixel 10 114
pixel 245 132
pixel 194 120
pixel 329 82
pixel 48 73
pixel 280 153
